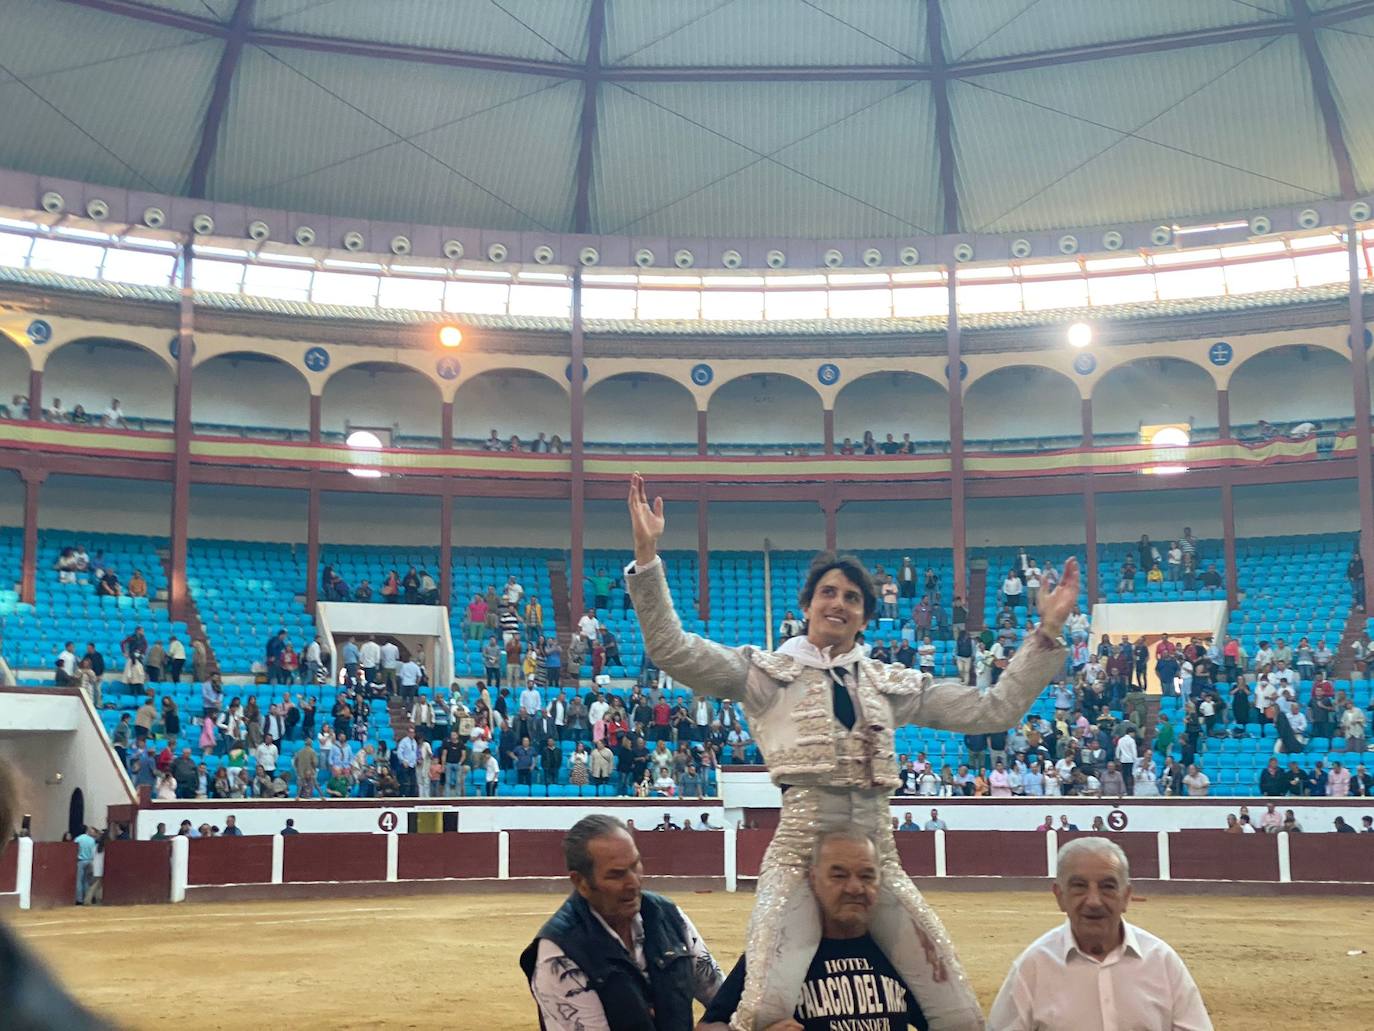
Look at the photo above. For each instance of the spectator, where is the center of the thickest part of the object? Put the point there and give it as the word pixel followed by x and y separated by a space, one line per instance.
pixel 1097 970
pixel 290 828
pixel 1341 826
pixel 138 586
pixel 1197 782
pixel 1012 588
pixel 85 859
pixel 585 943
pixel 846 881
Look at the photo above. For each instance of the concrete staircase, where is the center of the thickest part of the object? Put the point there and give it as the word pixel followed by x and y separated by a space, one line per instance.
pixel 562 605
pixel 1354 627
pixel 977 596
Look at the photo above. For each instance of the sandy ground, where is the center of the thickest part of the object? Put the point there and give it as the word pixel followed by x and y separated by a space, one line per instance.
pixel 450 961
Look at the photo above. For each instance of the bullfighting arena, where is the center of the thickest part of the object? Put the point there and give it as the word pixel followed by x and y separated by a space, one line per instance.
pixel 450 961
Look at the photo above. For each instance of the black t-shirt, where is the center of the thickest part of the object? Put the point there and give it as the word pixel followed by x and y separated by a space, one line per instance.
pixel 850 986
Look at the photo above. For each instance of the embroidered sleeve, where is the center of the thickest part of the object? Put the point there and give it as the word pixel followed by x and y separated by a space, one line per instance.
pixel 706 667
pixel 950 705
pixel 565 998
pixel 706 975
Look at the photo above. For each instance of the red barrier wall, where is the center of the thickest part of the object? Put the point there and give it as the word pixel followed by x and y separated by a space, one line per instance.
pixel 995 854
pixel 9 869
pixel 237 860
pixel 1218 856
pixel 749 849
pixel 917 851
pixel 1331 857
pixel 539 853
pixel 429 856
pixel 1141 848
pixel 54 874
pixel 137 872
pixel 334 857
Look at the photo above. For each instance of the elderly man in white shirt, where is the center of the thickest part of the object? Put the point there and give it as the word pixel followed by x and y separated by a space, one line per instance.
pixel 1096 972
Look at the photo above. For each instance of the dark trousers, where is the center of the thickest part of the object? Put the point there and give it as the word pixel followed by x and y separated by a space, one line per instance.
pixel 524 776
pixel 1128 775
pixel 174 668
pixel 493 676
pixel 555 675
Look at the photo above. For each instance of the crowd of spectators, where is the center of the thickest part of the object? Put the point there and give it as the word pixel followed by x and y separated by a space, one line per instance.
pixel 871 445
pixel 417 587
pixel 112 418
pixel 541 445
pixel 74 565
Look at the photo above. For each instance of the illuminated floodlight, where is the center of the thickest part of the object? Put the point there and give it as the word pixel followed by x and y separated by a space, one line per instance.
pixel 1168 436
pixel 450 336
pixel 1080 334
pixel 364 440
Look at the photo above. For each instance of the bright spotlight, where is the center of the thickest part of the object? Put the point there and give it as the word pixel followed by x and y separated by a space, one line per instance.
pixel 364 440
pixel 1170 440
pixel 450 336
pixel 1080 334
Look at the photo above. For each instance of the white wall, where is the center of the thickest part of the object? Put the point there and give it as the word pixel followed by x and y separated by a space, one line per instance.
pixel 1022 402
pixel 247 513
pixel 1153 391
pixel 397 519
pixel 742 526
pixel 382 398
pixel 1161 514
pixel 1291 384
pixel 766 410
pixel 249 391
pixel 91 373
pixel 895 403
pixel 1332 506
pixel 1006 522
pixel 641 409
pixel 14 371
pixel 513 401
pixel 97 505
pixel 894 524
pixel 11 499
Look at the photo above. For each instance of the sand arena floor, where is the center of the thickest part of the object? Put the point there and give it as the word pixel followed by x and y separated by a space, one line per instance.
pixel 450 961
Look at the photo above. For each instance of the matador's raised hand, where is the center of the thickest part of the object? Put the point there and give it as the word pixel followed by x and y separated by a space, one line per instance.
pixel 1057 604
pixel 646 521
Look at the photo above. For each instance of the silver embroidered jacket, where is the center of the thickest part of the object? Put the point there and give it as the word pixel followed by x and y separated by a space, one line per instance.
pixel 789 705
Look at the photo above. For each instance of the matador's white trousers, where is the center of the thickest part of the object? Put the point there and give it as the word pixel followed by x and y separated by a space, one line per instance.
pixel 785 927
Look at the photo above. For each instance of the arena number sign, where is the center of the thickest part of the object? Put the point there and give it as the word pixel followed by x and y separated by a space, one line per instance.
pixel 388 821
pixel 1117 819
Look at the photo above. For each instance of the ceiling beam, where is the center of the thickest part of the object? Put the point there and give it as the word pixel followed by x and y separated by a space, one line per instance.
pixel 1326 101
pixel 944 134
pixel 591 87
pixel 707 73
pixel 239 27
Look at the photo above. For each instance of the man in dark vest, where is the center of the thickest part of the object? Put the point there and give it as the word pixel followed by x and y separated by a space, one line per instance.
pixel 616 956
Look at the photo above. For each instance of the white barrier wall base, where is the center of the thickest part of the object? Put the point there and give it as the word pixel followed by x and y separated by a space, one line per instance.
pixel 1285 859
pixel 731 860
pixel 278 854
pixel 1052 853
pixel 23 874
pixel 393 853
pixel 941 864
pixel 181 867
pixel 503 855
pixel 1164 871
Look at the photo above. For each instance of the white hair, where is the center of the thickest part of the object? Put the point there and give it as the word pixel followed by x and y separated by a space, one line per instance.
pixel 1092 846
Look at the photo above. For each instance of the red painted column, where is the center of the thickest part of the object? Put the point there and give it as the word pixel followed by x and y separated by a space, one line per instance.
pixel 315 402
pixel 703 557
pixel 1089 508
pixel 35 394
pixel 829 431
pixel 177 604
pixel 1228 513
pixel 446 547
pixel 1359 367
pixel 576 481
pixel 701 432
pixel 33 482
pixel 956 440
pixel 312 548
pixel 446 429
pixel 830 505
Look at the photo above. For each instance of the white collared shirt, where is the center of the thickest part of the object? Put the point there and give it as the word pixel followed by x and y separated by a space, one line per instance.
pixel 1141 985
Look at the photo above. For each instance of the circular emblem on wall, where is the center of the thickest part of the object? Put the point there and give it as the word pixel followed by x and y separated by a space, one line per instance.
pixel 702 374
pixel 39 332
pixel 1368 339
pixel 174 347
pixel 388 821
pixel 1117 819
pixel 1220 353
pixel 316 359
pixel 963 371
pixel 828 374
pixel 567 373
pixel 1084 364
pixel 448 368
